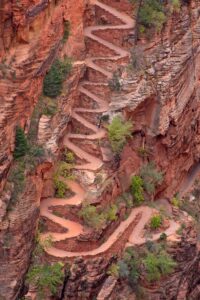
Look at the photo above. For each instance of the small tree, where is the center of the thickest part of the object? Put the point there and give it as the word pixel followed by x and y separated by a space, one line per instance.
pixel 137 189
pixel 21 144
pixel 46 277
pixel 118 132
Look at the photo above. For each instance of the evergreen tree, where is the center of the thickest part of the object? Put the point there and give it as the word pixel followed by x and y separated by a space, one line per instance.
pixel 21 144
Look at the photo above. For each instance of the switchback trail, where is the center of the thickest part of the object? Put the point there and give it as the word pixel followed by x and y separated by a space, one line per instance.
pixel 94 163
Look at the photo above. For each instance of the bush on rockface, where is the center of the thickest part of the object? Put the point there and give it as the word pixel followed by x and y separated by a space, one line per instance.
pixel 137 189
pixel 150 262
pixel 157 265
pixel 118 132
pixel 53 81
pixel 46 277
pixel 151 15
pixel 63 170
pixel 27 155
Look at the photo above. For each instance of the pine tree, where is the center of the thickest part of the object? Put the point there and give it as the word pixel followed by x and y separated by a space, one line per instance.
pixel 21 145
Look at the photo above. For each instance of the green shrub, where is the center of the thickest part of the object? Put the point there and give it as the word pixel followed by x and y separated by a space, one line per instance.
pixel 151 177
pixel 129 267
pixel 113 270
pixel 91 216
pixel 157 265
pixel 21 144
pixel 111 213
pixel 65 170
pixel 54 79
pixel 151 15
pixel 46 277
pixel 175 202
pixel 156 221
pixel 60 186
pixel 175 5
pixel 97 219
pixel 137 189
pixel 69 157
pixel 118 132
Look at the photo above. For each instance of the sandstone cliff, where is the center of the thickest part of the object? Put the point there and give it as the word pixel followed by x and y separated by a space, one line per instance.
pixel 31 34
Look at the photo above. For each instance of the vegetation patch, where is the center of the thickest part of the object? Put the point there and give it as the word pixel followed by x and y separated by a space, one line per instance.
pixel 152 14
pixel 149 262
pixel 156 222
pixel 21 143
pixel 157 265
pixel 175 201
pixel 45 278
pixel 98 218
pixel 63 171
pixel 118 132
pixel 137 189
pixel 27 155
pixel 53 81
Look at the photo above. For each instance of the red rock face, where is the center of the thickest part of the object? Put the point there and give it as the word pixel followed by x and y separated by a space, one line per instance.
pixel 165 102
pixel 31 33
pixel 30 37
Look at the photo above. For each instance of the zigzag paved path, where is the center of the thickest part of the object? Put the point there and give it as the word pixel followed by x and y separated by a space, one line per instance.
pixel 93 163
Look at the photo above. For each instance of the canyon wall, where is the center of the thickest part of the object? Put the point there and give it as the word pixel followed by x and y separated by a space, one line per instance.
pixel 31 36
pixel 163 101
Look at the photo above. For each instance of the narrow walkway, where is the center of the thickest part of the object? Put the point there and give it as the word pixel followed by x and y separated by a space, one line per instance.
pixel 93 163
